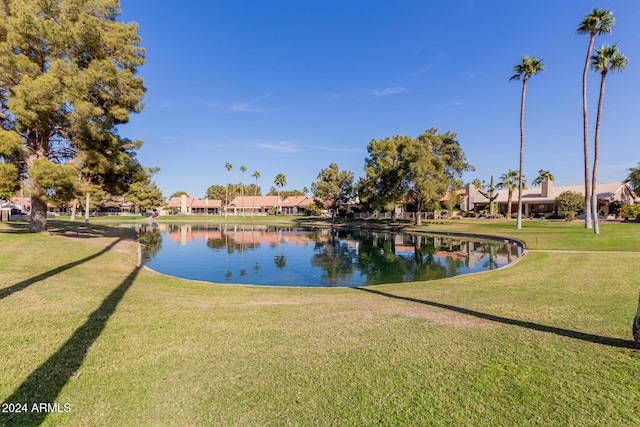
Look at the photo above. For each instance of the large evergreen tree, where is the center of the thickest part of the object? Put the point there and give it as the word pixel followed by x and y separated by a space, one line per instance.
pixel 67 80
pixel 420 170
pixel 434 164
pixel 144 193
pixel 384 184
pixel 333 188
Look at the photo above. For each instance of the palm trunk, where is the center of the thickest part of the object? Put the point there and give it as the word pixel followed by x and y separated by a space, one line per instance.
pixel 509 202
pixel 594 194
pixel 636 326
pixel 585 116
pixel 226 203
pixel 86 207
pixel 255 191
pixel 524 94
pixel 38 222
pixel 74 208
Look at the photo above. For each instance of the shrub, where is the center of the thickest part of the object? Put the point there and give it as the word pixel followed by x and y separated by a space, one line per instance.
pixel 570 201
pixel 630 211
pixel 552 215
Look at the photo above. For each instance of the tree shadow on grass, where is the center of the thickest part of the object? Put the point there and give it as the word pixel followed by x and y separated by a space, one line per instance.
pixel 71 229
pixel 596 339
pixel 5 292
pixel 45 383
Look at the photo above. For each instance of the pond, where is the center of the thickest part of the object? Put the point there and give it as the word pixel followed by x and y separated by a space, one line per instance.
pixel 313 257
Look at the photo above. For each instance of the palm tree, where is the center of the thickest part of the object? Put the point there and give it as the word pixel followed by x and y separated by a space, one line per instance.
pixel 598 22
pixel 606 59
pixel 528 68
pixel 280 182
pixel 243 169
pixel 543 175
pixel 634 178
pixel 509 181
pixel 256 175
pixel 228 167
pixel 479 185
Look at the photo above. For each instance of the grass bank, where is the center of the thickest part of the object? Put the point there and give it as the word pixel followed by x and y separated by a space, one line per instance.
pixel 545 342
pixel 536 234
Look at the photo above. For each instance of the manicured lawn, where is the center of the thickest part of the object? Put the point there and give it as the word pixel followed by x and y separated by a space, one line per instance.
pixel 108 218
pixel 553 235
pixel 544 342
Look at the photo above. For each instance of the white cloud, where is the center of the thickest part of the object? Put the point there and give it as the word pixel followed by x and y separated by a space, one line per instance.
pixel 281 147
pixel 245 107
pixel 388 91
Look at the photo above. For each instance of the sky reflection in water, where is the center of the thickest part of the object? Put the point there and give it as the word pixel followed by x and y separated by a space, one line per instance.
pixel 297 256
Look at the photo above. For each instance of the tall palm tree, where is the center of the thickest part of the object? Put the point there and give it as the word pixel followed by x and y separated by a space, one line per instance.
pixel 598 22
pixel 634 178
pixel 228 167
pixel 606 59
pixel 524 70
pixel 542 176
pixel 509 181
pixel 243 169
pixel 256 175
pixel 280 182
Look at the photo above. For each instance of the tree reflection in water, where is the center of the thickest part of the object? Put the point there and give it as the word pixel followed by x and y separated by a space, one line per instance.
pixel 294 256
pixel 150 242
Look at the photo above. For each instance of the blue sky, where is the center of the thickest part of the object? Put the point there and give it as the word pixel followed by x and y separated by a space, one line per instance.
pixel 291 86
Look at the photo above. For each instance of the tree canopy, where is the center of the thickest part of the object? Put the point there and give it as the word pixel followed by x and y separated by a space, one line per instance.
pixel 219 192
pixel 179 193
pixel 333 188
pixel 67 80
pixel 634 178
pixel 421 170
pixel 570 201
pixel 144 193
pixel 542 176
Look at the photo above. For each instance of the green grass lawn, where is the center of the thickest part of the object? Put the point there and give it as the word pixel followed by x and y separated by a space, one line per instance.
pixel 544 342
pixel 552 235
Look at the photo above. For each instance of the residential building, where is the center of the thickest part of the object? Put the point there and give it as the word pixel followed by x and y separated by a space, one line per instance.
pixel 537 201
pixel 184 205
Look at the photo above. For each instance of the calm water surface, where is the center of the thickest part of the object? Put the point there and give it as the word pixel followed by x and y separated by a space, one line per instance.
pixel 296 256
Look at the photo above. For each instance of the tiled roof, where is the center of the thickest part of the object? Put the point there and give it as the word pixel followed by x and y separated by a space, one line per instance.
pixel 293 201
pixel 306 202
pixel 177 202
pixel 254 202
pixel 447 195
pixel 206 203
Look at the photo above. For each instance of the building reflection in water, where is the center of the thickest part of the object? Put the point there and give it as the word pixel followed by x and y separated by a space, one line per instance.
pixel 295 256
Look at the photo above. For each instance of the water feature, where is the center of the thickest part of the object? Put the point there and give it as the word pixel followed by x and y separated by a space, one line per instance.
pixel 298 256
